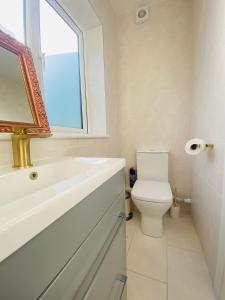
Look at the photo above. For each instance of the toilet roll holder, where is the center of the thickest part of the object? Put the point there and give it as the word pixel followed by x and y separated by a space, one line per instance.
pixel 202 146
pixel 196 146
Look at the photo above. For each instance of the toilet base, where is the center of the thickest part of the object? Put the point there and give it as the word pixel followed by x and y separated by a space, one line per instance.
pixel 152 226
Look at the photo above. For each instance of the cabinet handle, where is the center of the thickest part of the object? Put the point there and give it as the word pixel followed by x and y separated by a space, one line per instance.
pixel 83 290
pixel 122 280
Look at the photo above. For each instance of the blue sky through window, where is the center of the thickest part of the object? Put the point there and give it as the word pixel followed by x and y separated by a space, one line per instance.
pixel 12 18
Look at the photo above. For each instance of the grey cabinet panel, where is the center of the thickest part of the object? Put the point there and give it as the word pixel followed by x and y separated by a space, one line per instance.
pixel 25 274
pixel 109 281
pixel 79 268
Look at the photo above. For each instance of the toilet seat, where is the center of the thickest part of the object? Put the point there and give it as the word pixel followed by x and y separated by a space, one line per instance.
pixel 152 191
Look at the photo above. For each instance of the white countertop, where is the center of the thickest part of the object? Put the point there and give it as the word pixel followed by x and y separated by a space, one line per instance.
pixel 27 207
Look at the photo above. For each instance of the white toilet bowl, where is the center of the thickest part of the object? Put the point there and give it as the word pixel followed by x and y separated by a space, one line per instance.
pixel 153 199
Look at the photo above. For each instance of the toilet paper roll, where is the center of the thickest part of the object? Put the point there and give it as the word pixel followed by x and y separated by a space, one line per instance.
pixel 195 146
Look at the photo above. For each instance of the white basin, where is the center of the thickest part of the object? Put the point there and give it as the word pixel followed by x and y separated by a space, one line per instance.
pixel 28 206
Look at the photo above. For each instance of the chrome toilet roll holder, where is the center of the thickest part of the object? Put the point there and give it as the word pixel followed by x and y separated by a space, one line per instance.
pixel 200 146
pixel 196 146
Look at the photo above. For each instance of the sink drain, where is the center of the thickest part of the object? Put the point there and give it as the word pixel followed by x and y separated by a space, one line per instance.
pixel 33 176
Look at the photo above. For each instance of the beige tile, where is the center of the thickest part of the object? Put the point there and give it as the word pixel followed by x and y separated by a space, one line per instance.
pixel 181 233
pixel 188 276
pixel 143 288
pixel 147 256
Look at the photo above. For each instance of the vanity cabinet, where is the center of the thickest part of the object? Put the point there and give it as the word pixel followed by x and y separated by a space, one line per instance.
pixel 79 256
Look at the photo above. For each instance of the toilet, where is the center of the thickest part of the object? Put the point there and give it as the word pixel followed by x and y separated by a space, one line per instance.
pixel 152 192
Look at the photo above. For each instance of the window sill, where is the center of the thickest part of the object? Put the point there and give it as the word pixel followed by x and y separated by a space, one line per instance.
pixel 7 136
pixel 78 136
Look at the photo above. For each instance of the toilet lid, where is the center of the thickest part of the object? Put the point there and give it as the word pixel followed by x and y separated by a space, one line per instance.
pixel 152 191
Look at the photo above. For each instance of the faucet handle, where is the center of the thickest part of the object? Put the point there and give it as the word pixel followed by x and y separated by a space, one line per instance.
pixel 22 132
pixel 19 130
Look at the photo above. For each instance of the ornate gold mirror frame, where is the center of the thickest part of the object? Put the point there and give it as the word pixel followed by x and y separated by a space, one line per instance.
pixel 40 124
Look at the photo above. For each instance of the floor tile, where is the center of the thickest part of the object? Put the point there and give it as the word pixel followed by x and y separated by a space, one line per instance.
pixel 147 256
pixel 143 288
pixel 188 276
pixel 181 233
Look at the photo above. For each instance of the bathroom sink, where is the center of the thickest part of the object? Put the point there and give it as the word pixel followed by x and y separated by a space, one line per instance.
pixel 31 199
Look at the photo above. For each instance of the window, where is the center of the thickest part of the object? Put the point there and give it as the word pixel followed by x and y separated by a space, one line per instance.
pixel 69 60
pixel 12 19
pixel 61 71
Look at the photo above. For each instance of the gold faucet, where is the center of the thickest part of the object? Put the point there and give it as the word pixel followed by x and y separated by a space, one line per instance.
pixel 21 146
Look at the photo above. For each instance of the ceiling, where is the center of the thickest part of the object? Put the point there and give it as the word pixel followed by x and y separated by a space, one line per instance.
pixel 122 7
pixel 82 11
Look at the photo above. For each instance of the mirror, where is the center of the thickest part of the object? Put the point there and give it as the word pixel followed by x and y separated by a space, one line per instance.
pixel 14 104
pixel 21 103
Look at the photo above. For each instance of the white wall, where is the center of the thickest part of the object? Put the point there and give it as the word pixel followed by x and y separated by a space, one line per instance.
pixel 155 68
pixel 95 83
pixel 92 147
pixel 209 122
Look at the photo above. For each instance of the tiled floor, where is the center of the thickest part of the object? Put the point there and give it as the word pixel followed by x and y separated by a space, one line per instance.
pixel 167 268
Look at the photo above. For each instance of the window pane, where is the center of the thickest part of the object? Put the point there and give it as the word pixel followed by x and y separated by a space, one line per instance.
pixel 62 89
pixel 12 18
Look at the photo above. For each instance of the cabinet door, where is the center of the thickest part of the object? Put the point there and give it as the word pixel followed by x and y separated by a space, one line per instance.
pixel 109 282
pixel 75 278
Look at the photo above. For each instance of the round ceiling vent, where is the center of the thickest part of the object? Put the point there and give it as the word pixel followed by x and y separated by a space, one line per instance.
pixel 142 14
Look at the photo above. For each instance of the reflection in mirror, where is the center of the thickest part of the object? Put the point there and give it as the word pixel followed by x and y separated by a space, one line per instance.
pixel 14 103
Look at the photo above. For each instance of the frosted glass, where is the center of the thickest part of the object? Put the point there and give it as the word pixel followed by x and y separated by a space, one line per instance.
pixel 60 44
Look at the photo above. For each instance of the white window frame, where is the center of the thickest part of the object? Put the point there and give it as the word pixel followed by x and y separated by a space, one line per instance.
pixel 33 38
pixel 82 15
